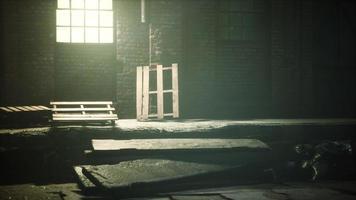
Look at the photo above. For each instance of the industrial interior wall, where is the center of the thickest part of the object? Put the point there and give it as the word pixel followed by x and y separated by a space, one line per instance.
pixel 300 64
pixel 134 48
pixel 27 51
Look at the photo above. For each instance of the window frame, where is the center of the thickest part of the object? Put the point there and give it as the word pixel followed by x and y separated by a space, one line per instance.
pixel 85 26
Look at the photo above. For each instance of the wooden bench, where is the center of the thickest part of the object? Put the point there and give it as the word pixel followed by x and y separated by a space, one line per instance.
pixel 85 111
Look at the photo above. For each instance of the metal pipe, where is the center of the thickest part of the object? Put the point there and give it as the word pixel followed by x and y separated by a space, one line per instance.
pixel 143 14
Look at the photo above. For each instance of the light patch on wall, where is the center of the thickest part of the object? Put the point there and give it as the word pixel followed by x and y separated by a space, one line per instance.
pixel 84 21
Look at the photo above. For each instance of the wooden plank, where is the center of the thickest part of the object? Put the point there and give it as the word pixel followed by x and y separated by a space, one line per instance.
pixel 13 109
pixel 29 108
pixel 37 108
pixel 59 116
pixel 44 107
pixel 86 115
pixel 165 115
pixel 164 91
pixel 160 102
pixel 156 144
pixel 175 94
pixel 82 109
pixel 85 119
pixel 22 108
pixel 167 91
pixel 80 102
pixel 164 68
pixel 139 92
pixel 108 106
pixel 6 109
pixel 145 99
pixel 54 107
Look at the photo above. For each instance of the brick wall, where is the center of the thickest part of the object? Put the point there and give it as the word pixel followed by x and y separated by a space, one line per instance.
pixel 285 69
pixel 198 96
pixel 295 71
pixel 28 43
pixel 133 43
pixel 84 72
pixel 131 51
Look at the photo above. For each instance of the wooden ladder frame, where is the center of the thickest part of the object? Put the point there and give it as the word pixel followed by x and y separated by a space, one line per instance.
pixel 143 93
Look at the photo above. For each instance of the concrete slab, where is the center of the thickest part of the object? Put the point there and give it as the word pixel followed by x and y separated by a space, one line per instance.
pixel 146 171
pixel 187 143
pixel 198 197
pixel 314 194
pixel 147 176
pixel 286 191
pixel 249 194
pixel 84 183
pixel 30 191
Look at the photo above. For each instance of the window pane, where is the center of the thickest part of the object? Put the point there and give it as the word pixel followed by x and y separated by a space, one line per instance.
pixel 77 35
pixel 63 34
pixel 91 4
pixel 106 35
pixel 63 18
pixel 77 17
pixel 63 3
pixel 106 4
pixel 91 35
pixel 91 18
pixel 78 4
pixel 106 18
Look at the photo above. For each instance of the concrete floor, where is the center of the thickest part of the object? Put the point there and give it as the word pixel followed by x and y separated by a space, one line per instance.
pixel 333 190
pixel 44 153
pixel 195 125
pixel 188 125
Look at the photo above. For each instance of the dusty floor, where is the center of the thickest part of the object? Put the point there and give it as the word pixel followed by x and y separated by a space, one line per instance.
pixel 36 163
pixel 333 190
pixel 188 125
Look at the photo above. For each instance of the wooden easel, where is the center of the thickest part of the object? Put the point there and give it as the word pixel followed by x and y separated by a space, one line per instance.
pixel 143 93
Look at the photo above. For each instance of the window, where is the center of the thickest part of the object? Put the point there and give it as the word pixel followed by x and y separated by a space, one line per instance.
pixel 241 20
pixel 84 21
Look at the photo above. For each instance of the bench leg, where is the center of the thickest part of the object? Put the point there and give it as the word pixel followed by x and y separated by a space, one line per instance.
pixel 112 122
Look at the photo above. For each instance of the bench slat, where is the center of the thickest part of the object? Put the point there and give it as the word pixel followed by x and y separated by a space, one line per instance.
pixel 80 102
pixel 82 109
pixel 84 119
pixel 81 115
pixel 76 111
